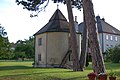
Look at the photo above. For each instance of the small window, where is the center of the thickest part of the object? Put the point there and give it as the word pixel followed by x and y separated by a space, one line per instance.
pixel 107 44
pixel 40 41
pixel 116 38
pixel 39 57
pixel 107 37
pixel 111 37
pixel 111 45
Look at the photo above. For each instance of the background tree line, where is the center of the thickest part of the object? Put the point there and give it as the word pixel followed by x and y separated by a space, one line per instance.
pixel 25 49
pixel 19 50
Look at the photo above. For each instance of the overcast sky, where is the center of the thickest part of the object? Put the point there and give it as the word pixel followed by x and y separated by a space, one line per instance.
pixel 20 26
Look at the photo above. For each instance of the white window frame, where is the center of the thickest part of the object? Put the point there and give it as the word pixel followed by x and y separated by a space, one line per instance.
pixel 107 37
pixel 116 38
pixel 111 38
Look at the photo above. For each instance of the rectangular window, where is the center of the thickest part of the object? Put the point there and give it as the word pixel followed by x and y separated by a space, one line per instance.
pixel 116 38
pixel 39 57
pixel 111 37
pixel 111 45
pixel 40 41
pixel 107 44
pixel 107 37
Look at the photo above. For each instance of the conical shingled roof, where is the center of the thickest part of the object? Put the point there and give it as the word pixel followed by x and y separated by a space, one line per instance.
pixel 57 23
pixel 58 16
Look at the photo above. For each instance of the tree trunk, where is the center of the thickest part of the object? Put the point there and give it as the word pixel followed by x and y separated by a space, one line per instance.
pixel 97 58
pixel 84 47
pixel 76 66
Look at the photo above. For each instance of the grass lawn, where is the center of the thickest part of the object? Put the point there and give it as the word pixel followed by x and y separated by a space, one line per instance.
pixel 16 70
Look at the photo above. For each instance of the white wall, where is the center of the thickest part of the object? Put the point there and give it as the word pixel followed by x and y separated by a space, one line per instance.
pixel 54 47
pixel 40 50
pixel 108 43
pixel 57 47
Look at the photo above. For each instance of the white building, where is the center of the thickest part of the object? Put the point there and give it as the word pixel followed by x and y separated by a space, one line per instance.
pixel 109 36
pixel 52 43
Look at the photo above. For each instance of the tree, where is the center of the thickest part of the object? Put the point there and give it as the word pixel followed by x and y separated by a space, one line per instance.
pixel 84 47
pixel 29 50
pixel 89 18
pixel 76 65
pixel 33 5
pixel 2 35
pixel 5 52
pixel 25 49
pixel 113 54
pixel 97 58
pixel 39 5
pixel 2 31
pixel 20 55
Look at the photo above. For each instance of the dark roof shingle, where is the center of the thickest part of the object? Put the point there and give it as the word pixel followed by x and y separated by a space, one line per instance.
pixel 57 23
pixel 103 27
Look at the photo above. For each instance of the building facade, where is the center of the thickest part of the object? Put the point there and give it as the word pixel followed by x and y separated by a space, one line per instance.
pixel 109 36
pixel 52 42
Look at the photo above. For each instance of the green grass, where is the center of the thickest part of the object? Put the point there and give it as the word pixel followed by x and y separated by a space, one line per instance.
pixel 16 70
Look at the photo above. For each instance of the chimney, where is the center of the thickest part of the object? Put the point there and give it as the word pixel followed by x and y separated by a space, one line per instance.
pixel 98 18
pixel 76 24
pixel 103 19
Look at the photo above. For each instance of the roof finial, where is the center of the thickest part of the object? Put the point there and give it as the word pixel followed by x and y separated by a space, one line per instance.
pixel 57 6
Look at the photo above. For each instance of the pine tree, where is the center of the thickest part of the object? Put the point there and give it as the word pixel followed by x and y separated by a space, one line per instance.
pixel 96 53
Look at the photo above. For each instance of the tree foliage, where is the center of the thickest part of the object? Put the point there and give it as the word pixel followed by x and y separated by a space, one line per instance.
pixel 97 59
pixel 5 51
pixel 20 49
pixel 113 54
pixel 2 36
pixel 24 49
pixel 39 5
pixel 2 31
pixel 77 3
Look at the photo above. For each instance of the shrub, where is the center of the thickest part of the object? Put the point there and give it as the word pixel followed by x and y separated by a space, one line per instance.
pixel 113 54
